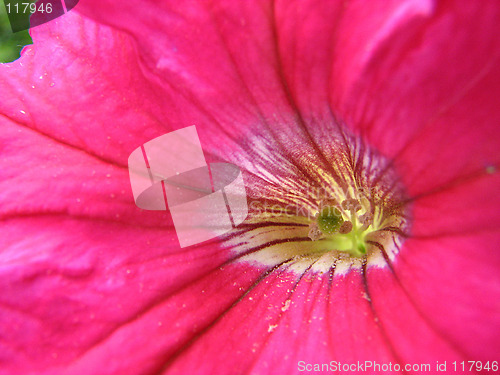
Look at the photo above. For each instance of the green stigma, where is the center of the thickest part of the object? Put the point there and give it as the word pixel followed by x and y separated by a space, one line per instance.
pixel 329 220
pixel 344 226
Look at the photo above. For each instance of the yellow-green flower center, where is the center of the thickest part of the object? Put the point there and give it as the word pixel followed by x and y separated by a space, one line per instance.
pixel 345 215
pixel 345 226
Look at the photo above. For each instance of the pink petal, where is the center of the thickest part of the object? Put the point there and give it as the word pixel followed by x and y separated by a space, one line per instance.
pixel 228 67
pixel 81 310
pixel 79 259
pixel 468 207
pixel 357 48
pixel 325 46
pixel 453 281
pixel 426 90
pixel 200 66
pixel 69 284
pixel 285 319
pixel 64 72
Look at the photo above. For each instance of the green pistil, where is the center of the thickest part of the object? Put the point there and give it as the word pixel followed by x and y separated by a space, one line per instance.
pixel 329 220
pixel 344 235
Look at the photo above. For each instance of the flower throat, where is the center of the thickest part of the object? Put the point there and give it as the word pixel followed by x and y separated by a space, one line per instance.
pixel 350 225
pixel 345 208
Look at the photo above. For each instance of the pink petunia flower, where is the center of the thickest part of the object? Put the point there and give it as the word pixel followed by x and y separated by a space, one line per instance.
pixel 369 137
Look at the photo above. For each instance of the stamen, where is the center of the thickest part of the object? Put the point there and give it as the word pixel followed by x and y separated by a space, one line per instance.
pixel 328 202
pixel 351 205
pixel 314 232
pixel 345 228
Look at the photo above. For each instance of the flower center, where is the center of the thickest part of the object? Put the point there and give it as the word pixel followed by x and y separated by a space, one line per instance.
pixel 346 215
pixel 350 225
